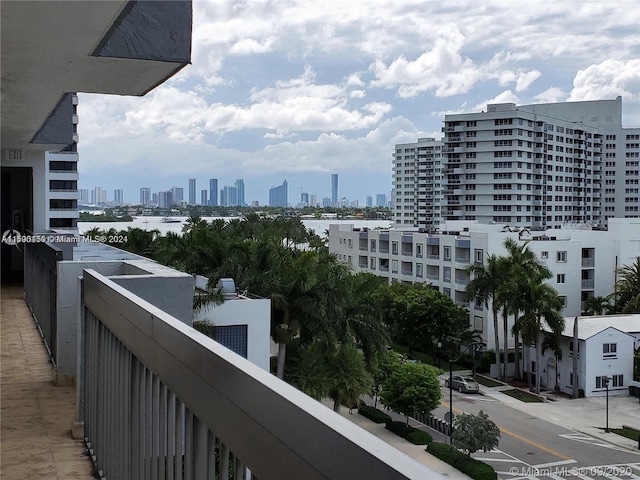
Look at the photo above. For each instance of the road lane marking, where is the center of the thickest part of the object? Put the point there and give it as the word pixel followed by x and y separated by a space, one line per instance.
pixel 520 437
pixel 555 464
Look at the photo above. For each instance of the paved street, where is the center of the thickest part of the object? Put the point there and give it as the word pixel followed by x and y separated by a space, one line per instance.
pixel 534 448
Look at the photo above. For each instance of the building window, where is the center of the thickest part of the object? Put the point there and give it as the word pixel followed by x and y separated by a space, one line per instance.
pixel 447 253
pixel 373 263
pixel 563 300
pixel 350 243
pixel 419 270
pixel 560 278
pixel 601 381
pixel 609 350
pixel 571 378
pixel 446 272
pixel 617 380
pixel 478 255
pixel 419 250
pixel 394 248
pixel 373 245
pixel 394 266
pixel 561 256
pixel 478 323
pixel 544 254
pixel 234 337
pixel 477 304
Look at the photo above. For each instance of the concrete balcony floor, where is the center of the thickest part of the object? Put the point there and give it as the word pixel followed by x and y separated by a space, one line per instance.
pixel 36 416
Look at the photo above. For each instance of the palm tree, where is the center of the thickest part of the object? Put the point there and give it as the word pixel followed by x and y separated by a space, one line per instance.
pixel 521 263
pixel 627 288
pixel 597 306
pixel 540 302
pixel 484 285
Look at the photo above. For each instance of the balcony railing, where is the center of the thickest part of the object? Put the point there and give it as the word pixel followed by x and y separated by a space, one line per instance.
pixel 588 262
pixel 161 400
pixel 40 287
pixel 587 284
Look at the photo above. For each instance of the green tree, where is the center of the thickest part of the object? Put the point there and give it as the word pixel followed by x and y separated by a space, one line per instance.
pixel 349 378
pixel 521 263
pixel 597 306
pixel 627 288
pixel 485 282
pixel 475 432
pixel 381 370
pixel 412 388
pixel 540 301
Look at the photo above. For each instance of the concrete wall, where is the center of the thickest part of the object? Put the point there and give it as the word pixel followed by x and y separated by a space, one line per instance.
pixel 161 286
pixel 598 366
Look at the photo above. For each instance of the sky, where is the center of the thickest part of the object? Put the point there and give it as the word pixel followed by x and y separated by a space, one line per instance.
pixel 298 90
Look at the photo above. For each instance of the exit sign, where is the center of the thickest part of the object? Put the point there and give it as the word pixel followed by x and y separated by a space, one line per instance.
pixel 13 154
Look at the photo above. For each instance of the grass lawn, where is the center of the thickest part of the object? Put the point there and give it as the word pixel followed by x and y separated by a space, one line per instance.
pixel 487 382
pixel 522 396
pixel 631 433
pixel 426 358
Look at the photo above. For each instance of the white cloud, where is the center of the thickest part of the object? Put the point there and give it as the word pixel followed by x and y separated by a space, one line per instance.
pixel 525 79
pixel 608 80
pixel 551 95
pixel 357 93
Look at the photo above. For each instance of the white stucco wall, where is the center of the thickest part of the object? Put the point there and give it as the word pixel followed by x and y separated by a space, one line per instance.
pixel 598 366
pixel 255 313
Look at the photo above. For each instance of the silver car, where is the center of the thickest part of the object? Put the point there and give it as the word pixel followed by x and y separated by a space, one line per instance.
pixel 463 384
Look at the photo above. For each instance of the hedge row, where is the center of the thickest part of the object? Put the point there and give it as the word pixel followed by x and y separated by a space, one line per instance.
pixel 415 436
pixel 373 414
pixel 474 468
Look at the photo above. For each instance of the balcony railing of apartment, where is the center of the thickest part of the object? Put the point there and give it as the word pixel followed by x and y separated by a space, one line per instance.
pixel 384 250
pixel 588 262
pixel 587 284
pixel 161 400
pixel 463 258
pixel 384 268
pixel 40 287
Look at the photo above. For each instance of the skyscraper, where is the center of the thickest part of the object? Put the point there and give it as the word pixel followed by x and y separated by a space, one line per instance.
pixel 213 192
pixel 229 196
pixel 118 196
pixel 304 199
pixel 177 195
pixel 278 196
pixel 334 189
pixel 540 166
pixel 369 201
pixel 99 195
pixel 145 196
pixel 240 192
pixel 192 191
pixel 381 200
pixel 165 199
pixel 83 195
pixel 203 197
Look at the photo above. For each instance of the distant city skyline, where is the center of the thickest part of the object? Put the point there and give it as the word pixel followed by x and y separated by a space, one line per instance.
pixel 237 191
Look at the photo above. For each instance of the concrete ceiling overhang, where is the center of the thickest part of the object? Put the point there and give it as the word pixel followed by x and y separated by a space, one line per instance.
pixel 49 48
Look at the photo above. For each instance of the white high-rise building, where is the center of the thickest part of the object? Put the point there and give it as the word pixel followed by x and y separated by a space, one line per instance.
pixel 417 178
pixel 145 196
pixel 118 196
pixel 541 166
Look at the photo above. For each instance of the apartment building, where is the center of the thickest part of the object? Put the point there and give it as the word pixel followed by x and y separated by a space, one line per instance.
pixel 61 191
pixel 418 179
pixel 541 166
pixel 583 261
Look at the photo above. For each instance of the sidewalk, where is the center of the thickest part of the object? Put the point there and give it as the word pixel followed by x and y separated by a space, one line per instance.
pixel 584 415
pixel 416 452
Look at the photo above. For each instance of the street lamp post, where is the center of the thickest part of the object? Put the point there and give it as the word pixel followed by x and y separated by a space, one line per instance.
pixel 451 362
pixel 606 386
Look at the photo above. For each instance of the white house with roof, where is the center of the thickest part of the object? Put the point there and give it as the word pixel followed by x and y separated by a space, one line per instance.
pixel 605 349
pixel 240 323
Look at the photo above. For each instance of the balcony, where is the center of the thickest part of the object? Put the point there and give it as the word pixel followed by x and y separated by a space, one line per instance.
pixel 588 262
pixel 160 400
pixel 587 284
